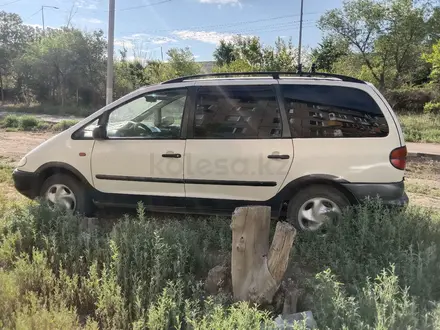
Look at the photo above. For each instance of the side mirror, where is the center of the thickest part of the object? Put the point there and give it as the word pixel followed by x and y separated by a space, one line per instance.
pixel 99 132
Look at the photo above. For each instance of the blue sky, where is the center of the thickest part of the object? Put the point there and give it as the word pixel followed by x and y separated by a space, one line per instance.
pixel 144 26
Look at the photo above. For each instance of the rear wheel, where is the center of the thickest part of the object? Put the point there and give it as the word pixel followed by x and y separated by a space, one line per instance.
pixel 313 206
pixel 68 193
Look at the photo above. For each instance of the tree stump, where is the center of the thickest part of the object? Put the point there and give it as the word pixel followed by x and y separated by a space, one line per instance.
pixel 256 270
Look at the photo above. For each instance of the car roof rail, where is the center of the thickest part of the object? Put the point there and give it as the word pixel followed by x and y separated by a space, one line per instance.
pixel 273 74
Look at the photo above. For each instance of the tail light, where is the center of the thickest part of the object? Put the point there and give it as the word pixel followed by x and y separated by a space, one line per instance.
pixel 398 157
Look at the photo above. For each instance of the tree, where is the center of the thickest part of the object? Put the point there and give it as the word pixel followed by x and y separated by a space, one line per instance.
pixel 433 58
pixel 251 55
pixel 329 51
pixel 386 34
pixel 13 38
pixel 282 57
pixel 224 53
pixel 182 62
pixel 63 64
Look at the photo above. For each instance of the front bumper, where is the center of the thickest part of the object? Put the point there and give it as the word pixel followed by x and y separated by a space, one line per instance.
pixel 392 194
pixel 26 183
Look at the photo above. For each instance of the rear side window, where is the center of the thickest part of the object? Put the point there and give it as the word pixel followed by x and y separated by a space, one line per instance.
pixel 332 111
pixel 237 112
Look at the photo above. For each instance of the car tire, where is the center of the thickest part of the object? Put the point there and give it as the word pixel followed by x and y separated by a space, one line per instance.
pixel 67 191
pixel 311 207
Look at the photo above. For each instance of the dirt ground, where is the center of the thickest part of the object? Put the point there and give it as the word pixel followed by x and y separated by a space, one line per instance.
pixel 422 174
pixel 14 145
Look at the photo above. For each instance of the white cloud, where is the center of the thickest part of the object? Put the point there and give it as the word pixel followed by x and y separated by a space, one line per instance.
pixel 222 2
pixel 87 4
pixel 147 38
pixel 124 43
pixel 211 37
pixel 92 20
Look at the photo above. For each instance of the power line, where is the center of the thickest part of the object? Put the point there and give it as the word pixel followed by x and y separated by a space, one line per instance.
pixel 33 14
pixel 216 26
pixel 10 3
pixel 264 27
pixel 144 6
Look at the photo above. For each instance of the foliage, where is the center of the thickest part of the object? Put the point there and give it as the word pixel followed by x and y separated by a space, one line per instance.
pixel 249 54
pixel 11 121
pixel 433 58
pixel 421 128
pixel 329 51
pixel 24 123
pixel 143 272
pixel 388 35
pixel 28 123
pixel 411 99
pixel 13 38
pixel 63 125
pixel 369 238
pixel 182 62
pixel 224 53
pixel 378 304
pixel 432 107
pixel 65 64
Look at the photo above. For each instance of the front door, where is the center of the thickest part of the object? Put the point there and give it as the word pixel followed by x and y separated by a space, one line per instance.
pixel 143 152
pixel 235 149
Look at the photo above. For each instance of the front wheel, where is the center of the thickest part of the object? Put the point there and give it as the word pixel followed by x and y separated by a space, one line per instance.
pixel 68 193
pixel 313 206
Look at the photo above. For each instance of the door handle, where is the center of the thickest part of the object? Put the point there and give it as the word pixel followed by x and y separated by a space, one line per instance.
pixel 171 155
pixel 278 156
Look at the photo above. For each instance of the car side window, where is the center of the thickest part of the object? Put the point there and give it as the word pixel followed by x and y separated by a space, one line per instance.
pixel 237 112
pixel 155 115
pixel 319 111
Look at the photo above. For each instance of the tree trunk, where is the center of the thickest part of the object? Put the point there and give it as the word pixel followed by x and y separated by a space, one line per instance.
pixel 1 88
pixel 256 270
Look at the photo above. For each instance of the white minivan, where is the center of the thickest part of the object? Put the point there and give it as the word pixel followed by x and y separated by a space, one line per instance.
pixel 305 144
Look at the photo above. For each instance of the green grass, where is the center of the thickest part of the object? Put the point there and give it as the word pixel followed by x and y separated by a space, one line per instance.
pixel 58 271
pixel 49 109
pixel 63 125
pixel 5 173
pixel 422 189
pixel 421 127
pixel 13 123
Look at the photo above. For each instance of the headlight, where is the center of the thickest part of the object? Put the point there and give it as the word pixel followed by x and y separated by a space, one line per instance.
pixel 22 162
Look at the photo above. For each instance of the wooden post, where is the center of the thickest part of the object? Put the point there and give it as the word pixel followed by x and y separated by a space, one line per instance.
pixel 256 270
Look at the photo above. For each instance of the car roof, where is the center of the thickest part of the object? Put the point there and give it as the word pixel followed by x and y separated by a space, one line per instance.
pixel 258 76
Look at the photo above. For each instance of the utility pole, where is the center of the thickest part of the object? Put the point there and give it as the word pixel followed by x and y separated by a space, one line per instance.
pixel 300 36
pixel 42 14
pixel 110 50
pixel 161 53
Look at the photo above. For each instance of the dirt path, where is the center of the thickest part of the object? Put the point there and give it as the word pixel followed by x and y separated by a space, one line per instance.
pixel 14 145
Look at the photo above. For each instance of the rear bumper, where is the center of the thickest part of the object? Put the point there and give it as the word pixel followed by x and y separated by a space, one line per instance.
pixel 26 183
pixel 392 194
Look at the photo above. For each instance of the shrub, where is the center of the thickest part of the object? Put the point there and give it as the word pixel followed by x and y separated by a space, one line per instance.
pixel 42 126
pixel 371 237
pixel 378 304
pixel 64 124
pixel 432 107
pixel 11 121
pixel 410 99
pixel 28 123
pixel 421 128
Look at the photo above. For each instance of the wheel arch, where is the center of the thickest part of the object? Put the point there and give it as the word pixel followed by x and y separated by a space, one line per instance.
pixel 293 187
pixel 47 170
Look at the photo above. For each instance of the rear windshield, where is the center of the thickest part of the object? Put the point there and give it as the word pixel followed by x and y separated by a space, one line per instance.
pixel 332 111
